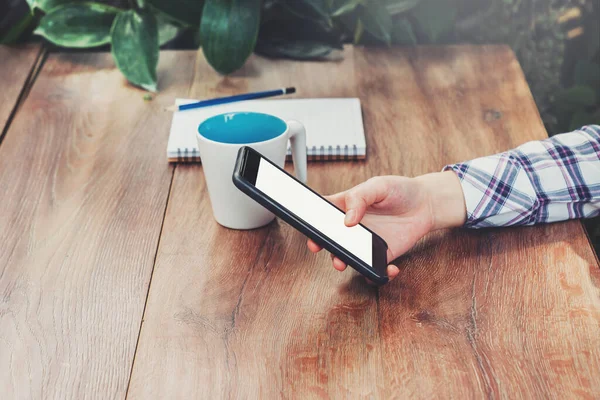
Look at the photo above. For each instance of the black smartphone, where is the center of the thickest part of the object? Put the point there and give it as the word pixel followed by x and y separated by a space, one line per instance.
pixel 311 214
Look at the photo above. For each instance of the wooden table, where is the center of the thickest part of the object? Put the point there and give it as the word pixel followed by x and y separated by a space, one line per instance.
pixel 115 281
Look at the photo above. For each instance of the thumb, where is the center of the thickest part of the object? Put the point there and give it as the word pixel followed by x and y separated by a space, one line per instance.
pixel 359 198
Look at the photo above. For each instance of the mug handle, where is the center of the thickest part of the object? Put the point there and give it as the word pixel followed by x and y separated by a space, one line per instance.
pixel 297 136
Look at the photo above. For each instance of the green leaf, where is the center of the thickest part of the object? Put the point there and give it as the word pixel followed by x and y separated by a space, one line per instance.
pixel 228 30
pixel 46 5
pixel 297 49
pixel 358 31
pixel 575 97
pixel 134 37
pixel 318 6
pixel 16 31
pixel 186 12
pixel 402 33
pixel 79 25
pixel 167 31
pixel 376 20
pixel 396 7
pixel 345 6
pixel 308 9
pixel 587 73
pixel 434 18
pixel 305 36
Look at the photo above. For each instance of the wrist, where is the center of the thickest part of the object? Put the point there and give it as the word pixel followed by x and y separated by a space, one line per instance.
pixel 446 199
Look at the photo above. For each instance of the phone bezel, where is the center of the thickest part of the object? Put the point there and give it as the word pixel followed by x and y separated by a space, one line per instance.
pixel 244 177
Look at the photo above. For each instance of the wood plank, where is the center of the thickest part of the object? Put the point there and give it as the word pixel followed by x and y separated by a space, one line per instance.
pixel 253 314
pixel 495 313
pixel 17 65
pixel 85 184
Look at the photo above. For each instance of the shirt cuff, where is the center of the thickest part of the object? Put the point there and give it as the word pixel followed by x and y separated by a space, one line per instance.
pixel 497 192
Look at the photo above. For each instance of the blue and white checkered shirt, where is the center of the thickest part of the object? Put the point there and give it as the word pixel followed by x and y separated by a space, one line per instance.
pixel 545 181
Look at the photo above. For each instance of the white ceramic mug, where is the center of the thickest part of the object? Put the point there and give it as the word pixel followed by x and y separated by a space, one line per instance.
pixel 219 139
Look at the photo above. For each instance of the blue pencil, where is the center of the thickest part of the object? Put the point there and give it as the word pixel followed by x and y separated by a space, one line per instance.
pixel 233 99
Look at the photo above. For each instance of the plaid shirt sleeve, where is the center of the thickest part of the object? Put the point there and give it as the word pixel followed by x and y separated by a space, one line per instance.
pixel 544 181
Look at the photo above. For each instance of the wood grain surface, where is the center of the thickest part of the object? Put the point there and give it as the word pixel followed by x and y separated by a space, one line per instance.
pixel 511 313
pixel 17 64
pixel 84 186
pixel 506 313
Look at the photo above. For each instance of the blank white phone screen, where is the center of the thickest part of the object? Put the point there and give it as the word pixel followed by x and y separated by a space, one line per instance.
pixel 314 210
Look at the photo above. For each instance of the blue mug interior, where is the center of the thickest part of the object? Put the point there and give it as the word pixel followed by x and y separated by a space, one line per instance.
pixel 242 127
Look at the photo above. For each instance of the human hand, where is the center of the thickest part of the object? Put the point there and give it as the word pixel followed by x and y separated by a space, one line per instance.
pixel 401 210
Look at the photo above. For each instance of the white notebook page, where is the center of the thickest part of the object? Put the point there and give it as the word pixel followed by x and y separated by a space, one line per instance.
pixel 333 126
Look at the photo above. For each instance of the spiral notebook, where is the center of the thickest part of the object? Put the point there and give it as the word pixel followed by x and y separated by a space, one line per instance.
pixel 334 127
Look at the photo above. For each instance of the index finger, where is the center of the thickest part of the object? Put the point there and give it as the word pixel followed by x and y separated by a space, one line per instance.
pixel 338 199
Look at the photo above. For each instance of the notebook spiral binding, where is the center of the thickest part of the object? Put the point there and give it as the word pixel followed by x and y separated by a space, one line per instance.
pixel 314 153
pixel 347 153
pixel 188 156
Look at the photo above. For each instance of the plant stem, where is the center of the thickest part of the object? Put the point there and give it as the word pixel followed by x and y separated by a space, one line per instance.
pixel 17 30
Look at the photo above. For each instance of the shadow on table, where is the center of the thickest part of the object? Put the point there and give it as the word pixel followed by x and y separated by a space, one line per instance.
pixel 449 260
pixel 452 266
